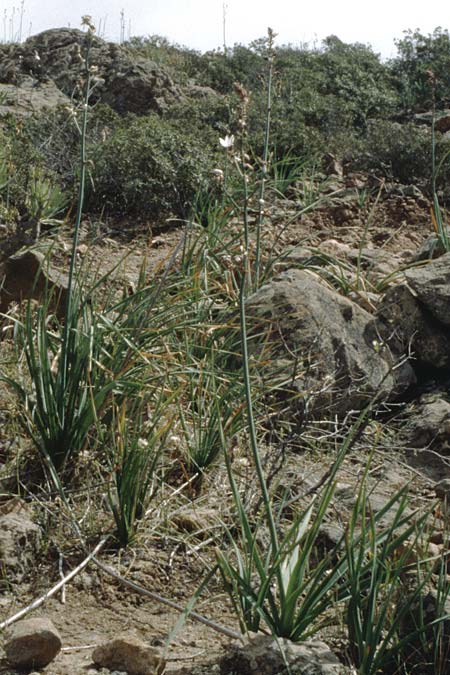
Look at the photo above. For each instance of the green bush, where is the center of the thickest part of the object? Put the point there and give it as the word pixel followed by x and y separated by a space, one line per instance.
pixel 417 55
pixel 29 186
pixel 57 129
pixel 398 151
pixel 206 118
pixel 148 168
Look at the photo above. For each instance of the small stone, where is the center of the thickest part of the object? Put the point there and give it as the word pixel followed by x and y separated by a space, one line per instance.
pixel 127 652
pixel 32 643
pixel 442 489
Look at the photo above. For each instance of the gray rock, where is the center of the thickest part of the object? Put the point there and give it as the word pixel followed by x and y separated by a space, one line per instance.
pixel 426 436
pixel 31 96
pixel 413 328
pixel 129 653
pixel 431 248
pixel 127 84
pixel 429 424
pixel 323 350
pixel 198 91
pixel 27 274
pixel 263 655
pixel 20 539
pixel 32 643
pixel 376 264
pixel 431 284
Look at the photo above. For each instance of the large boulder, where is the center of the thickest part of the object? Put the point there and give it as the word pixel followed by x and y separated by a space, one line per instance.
pixel 329 353
pixel 126 83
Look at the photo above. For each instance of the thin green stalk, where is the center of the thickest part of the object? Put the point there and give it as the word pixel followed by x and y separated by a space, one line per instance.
pixel 252 426
pixel 363 240
pixel 68 323
pixel 439 223
pixel 265 158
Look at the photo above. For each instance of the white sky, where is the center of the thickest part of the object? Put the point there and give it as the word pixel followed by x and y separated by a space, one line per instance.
pixel 199 23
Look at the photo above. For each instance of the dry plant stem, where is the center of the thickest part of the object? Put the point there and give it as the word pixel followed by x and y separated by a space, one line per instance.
pixel 265 158
pixel 165 601
pixel 40 601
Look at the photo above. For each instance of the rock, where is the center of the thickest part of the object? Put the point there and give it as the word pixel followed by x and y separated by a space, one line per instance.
pixel 426 436
pixel 442 489
pixel 413 328
pixel 27 274
pixel 356 180
pixel 380 263
pixel 32 643
pixel 431 248
pixel 330 350
pixel 441 119
pixel 429 425
pixel 31 96
pixel 263 655
pixel 332 166
pixel 198 520
pixel 129 653
pixel 198 91
pixel 20 539
pixel 443 124
pixel 127 84
pixel 431 284
pixel 334 248
pixel 413 191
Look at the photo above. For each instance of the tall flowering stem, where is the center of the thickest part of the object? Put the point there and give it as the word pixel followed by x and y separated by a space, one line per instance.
pixel 68 322
pixel 245 286
pixel 265 158
pixel 244 97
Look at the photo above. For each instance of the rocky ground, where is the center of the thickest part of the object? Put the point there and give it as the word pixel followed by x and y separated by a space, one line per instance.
pixel 360 285
pixel 385 234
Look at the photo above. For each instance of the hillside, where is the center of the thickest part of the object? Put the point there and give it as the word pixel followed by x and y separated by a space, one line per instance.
pixel 224 357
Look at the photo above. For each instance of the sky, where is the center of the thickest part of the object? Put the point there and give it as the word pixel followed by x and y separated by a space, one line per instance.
pixel 200 23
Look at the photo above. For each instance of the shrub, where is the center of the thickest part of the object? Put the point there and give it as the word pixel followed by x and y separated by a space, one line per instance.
pixel 204 118
pixel 56 129
pixel 417 55
pixel 399 151
pixel 147 168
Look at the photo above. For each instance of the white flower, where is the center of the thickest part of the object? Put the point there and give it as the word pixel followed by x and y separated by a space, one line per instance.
pixel 227 142
pixel 86 20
